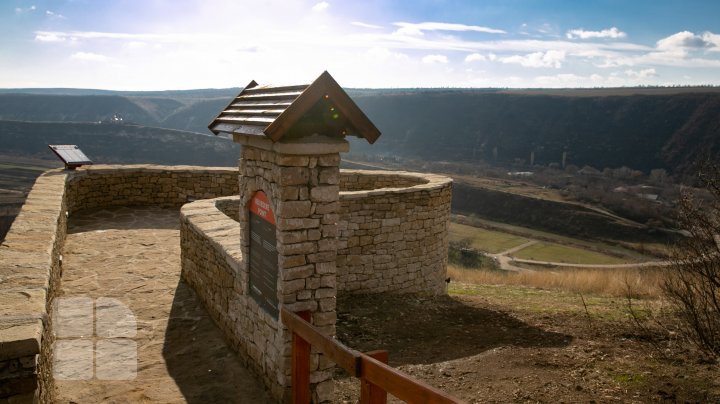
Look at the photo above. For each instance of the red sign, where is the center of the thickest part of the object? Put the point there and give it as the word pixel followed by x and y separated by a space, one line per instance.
pixel 260 205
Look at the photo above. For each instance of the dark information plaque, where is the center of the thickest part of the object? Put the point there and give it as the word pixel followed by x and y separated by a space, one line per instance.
pixel 263 254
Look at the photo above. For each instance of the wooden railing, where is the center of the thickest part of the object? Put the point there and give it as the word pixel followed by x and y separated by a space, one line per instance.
pixel 377 379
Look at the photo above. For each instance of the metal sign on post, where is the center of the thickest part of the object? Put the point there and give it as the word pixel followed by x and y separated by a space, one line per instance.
pixel 70 154
pixel 263 254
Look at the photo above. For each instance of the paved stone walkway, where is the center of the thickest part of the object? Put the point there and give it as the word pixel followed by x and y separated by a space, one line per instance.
pixel 131 258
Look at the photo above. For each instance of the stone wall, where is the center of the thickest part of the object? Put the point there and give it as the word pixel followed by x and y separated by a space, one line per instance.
pixel 366 180
pixel 166 186
pixel 30 269
pixel 411 209
pixel 30 263
pixel 393 232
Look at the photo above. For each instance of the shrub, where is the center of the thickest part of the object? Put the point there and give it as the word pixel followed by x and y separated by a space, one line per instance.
pixel 692 283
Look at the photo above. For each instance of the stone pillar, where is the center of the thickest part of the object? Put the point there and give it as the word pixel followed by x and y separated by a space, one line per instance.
pixel 301 182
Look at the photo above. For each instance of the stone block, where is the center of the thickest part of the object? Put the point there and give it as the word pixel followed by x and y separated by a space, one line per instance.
pixel 324 293
pixel 329 176
pixel 297 273
pixel 331 207
pixel 324 193
pixel 294 176
pixel 294 209
pixel 310 305
pixel 20 337
pixel 308 247
pixel 291 261
pixel 329 160
pixel 325 267
pixel 292 160
pixel 297 224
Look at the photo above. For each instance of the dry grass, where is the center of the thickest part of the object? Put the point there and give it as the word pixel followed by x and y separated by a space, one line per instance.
pixel 622 282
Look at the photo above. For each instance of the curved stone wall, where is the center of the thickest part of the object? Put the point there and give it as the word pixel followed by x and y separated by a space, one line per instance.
pixel 128 185
pixel 393 232
pixel 30 260
pixel 393 238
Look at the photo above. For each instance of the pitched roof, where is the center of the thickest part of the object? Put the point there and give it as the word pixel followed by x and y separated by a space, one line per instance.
pixel 321 107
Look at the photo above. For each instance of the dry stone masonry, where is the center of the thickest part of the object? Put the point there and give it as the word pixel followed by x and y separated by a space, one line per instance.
pixel 213 263
pixel 287 230
pixel 31 265
pixel 303 193
pixel 393 233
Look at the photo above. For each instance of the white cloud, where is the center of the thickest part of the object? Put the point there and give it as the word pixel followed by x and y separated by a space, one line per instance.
pixel 642 74
pixel 551 58
pixel 322 6
pixel 365 25
pixel 613 33
pixel 383 54
pixel 76 35
pixel 686 40
pixel 19 10
pixel 54 15
pixel 547 29
pixel 417 29
pixel 713 39
pixel 135 45
pixel 435 59
pixel 89 57
pixel 473 57
pixel 682 49
pixel 49 37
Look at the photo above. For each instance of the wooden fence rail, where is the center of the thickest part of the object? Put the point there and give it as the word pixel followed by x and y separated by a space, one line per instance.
pixel 377 379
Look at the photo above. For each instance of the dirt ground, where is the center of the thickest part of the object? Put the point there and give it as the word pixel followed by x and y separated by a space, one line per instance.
pixel 480 343
pixel 506 344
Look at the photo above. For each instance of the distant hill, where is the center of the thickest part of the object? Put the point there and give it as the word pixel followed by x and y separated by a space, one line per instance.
pixel 77 108
pixel 642 128
pixel 175 94
pixel 640 131
pixel 115 144
pixel 197 116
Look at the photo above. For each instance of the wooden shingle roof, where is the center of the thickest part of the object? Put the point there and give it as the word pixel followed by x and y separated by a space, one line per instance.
pixel 321 107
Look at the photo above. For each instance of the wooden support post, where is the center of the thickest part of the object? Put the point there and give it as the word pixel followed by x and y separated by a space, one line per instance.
pixel 301 366
pixel 370 393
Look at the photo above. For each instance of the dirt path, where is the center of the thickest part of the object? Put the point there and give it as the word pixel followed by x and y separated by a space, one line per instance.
pixel 594 266
pixel 518 248
pixel 505 261
pixel 130 259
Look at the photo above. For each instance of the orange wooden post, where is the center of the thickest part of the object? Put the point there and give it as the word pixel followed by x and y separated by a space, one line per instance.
pixel 370 393
pixel 301 365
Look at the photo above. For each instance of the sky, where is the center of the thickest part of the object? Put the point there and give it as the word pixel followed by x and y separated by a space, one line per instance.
pixel 177 44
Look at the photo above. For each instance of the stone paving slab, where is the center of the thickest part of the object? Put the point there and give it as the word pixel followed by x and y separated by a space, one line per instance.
pixel 125 262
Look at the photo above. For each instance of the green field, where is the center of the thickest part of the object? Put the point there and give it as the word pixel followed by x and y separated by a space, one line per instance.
pixel 485 240
pixel 567 254
pixel 615 250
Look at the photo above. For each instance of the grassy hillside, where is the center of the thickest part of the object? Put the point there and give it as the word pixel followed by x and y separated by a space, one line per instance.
pixel 640 131
pixel 558 217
